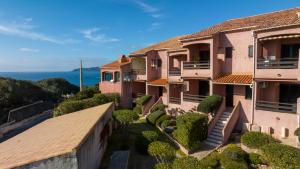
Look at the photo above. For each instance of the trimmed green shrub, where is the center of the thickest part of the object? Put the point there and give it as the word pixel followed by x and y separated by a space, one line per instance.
pixel 163 166
pixel 233 157
pixel 125 116
pixel 186 162
pixel 210 104
pixel 256 139
pixel 91 102
pixel 68 107
pixel 158 106
pixel 137 109
pixel 281 156
pixel 143 100
pixel 86 93
pixel 162 118
pixel 167 123
pixel 100 99
pixel 211 161
pixel 151 118
pixel 191 129
pixel 113 97
pixel 297 133
pixel 150 135
pixel 255 159
pixel 162 151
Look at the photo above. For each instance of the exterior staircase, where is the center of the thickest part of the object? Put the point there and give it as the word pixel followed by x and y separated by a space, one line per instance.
pixel 215 137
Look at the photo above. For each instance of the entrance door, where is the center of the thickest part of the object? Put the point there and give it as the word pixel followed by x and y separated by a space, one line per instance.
pixel 229 96
pixel 203 88
pixel 160 91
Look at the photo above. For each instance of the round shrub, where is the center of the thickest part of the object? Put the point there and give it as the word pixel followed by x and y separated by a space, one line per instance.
pixel 255 158
pixel 100 99
pixel 113 97
pixel 91 102
pixel 210 104
pixel 143 100
pixel 151 118
pixel 297 133
pixel 68 107
pixel 150 135
pixel 186 162
pixel 162 166
pixel 163 151
pixel 125 116
pixel 281 156
pixel 162 118
pixel 191 129
pixel 256 139
pixel 137 109
pixel 159 106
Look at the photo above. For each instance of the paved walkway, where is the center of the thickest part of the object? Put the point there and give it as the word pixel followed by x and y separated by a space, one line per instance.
pixel 205 151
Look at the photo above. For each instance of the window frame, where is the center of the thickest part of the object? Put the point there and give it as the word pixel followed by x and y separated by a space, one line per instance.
pixel 248 96
pixel 228 55
pixel 250 51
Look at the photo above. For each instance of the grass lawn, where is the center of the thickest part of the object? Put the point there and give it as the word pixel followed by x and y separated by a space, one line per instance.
pixel 136 160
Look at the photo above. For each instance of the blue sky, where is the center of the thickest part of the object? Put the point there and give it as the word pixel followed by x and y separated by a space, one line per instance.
pixel 53 35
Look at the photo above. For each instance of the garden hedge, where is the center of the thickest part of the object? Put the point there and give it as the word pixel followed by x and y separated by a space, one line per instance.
pixel 113 97
pixel 211 161
pixel 125 116
pixel 233 157
pixel 186 162
pixel 256 139
pixel 162 151
pixel 158 106
pixel 137 109
pixel 100 98
pixel 255 159
pixel 150 135
pixel 281 156
pixel 167 123
pixel 143 100
pixel 210 104
pixel 297 133
pixel 68 107
pixel 162 119
pixel 191 129
pixel 163 166
pixel 151 118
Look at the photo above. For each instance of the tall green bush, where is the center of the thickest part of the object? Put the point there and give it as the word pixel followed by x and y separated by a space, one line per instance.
pixel 151 118
pixel 191 129
pixel 281 156
pixel 256 139
pixel 143 100
pixel 210 104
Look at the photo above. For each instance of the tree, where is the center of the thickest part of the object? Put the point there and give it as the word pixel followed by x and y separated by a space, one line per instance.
pixel 162 151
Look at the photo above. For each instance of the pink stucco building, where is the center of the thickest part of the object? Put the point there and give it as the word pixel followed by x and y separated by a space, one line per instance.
pixel 252 62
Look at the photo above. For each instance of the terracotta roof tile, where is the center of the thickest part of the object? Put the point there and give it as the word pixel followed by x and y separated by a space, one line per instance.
pixel 274 19
pixel 158 82
pixel 53 137
pixel 234 79
pixel 172 43
pixel 116 64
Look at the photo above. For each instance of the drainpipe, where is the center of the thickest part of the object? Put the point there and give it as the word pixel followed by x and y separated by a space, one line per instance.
pixel 253 82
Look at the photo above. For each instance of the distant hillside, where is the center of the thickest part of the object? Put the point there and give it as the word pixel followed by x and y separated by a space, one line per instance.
pixel 87 69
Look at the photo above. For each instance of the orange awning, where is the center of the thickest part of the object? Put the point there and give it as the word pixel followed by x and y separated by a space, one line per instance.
pixel 158 82
pixel 239 79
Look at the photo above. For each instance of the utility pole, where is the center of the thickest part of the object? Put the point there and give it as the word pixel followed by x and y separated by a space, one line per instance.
pixel 81 77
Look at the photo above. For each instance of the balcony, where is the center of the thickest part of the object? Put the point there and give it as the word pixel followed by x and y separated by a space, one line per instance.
pixel 174 73
pixel 282 63
pixel 175 100
pixel 139 74
pixel 193 98
pixel 277 107
pixel 196 69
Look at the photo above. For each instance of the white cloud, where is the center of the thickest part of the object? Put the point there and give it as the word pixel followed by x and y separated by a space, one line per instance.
pixel 29 50
pixel 24 29
pixel 154 26
pixel 94 35
pixel 150 9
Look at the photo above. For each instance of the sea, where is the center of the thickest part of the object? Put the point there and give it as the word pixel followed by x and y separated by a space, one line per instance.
pixel 90 78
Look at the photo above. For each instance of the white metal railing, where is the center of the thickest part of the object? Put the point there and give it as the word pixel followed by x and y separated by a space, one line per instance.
pixel 281 63
pixel 196 65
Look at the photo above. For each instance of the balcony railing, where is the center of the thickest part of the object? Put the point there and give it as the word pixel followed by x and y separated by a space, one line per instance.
pixel 196 65
pixel 193 98
pixel 277 107
pixel 282 63
pixel 174 72
pixel 138 71
pixel 175 100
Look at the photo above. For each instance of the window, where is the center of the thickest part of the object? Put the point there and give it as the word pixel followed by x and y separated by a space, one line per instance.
pixel 248 93
pixel 117 76
pixel 159 62
pixel 153 63
pixel 228 52
pixel 250 51
pixel 107 76
pixel 290 51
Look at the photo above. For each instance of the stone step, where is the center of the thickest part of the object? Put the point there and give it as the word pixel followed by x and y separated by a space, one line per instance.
pixel 212 144
pixel 216 130
pixel 217 134
pixel 219 127
pixel 213 137
pixel 213 141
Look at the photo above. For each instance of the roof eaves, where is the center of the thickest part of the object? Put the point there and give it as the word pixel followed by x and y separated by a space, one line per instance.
pixel 195 38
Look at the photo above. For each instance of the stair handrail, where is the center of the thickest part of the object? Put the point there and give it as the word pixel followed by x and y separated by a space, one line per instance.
pixel 218 114
pixel 148 105
pixel 157 102
pixel 229 126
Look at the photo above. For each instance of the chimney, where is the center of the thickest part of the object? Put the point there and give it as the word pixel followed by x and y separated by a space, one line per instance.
pixel 123 59
pixel 298 15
